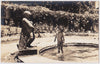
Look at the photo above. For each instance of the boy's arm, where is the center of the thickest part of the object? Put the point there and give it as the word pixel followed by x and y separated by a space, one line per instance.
pixel 29 24
pixel 63 38
pixel 55 38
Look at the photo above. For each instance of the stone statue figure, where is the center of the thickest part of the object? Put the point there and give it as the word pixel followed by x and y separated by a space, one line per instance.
pixel 27 33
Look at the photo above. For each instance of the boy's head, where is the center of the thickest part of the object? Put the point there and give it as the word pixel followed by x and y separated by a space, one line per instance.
pixel 27 14
pixel 60 29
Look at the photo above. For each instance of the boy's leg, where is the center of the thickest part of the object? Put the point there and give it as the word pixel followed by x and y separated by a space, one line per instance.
pixel 22 42
pixel 30 40
pixel 58 47
pixel 62 47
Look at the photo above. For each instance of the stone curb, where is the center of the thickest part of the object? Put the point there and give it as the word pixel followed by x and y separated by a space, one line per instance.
pixel 69 44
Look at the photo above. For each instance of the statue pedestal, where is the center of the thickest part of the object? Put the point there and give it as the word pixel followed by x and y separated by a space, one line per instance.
pixel 28 51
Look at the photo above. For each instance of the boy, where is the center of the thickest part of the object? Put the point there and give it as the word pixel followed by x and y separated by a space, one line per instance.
pixel 60 40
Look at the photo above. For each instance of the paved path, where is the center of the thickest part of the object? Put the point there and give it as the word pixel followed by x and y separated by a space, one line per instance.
pixel 43 42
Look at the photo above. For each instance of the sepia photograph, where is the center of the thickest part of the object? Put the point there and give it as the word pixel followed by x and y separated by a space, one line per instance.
pixel 50 32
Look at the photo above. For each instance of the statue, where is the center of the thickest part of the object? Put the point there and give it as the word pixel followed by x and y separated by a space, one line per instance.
pixel 27 33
